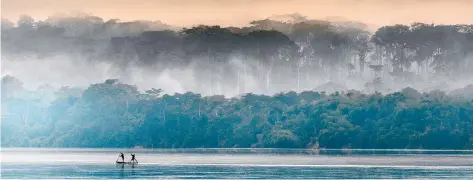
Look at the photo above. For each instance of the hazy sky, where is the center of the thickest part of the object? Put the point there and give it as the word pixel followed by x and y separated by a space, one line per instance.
pixel 240 12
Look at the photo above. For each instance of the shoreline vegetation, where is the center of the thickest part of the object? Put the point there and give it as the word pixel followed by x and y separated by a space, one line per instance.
pixel 244 151
pixel 12 148
pixel 112 114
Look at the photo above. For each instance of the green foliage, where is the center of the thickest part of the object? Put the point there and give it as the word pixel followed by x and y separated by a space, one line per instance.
pixel 112 114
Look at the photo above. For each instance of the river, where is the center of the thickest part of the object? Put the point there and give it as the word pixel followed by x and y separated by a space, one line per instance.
pixel 39 163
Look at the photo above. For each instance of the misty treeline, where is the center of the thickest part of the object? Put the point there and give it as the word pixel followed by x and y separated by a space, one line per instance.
pixel 113 114
pixel 269 56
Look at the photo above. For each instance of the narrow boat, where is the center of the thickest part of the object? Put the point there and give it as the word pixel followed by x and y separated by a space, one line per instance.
pixel 121 162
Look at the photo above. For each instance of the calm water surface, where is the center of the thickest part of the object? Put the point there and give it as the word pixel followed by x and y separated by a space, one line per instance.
pixel 235 164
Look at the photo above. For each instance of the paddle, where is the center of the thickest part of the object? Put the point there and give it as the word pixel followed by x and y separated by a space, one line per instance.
pixel 117 158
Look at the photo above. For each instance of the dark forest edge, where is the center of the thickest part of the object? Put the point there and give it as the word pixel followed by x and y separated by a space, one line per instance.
pixel 116 115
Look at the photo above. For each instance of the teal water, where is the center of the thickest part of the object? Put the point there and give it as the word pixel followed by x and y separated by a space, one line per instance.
pixel 236 164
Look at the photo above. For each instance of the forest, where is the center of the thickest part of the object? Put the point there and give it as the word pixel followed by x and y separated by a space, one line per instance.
pixel 300 83
pixel 113 114
pixel 267 57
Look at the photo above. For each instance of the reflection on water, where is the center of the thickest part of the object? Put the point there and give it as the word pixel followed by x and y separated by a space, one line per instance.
pixel 236 163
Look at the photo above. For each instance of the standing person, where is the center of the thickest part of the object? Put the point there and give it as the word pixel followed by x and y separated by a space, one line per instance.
pixel 122 156
pixel 133 159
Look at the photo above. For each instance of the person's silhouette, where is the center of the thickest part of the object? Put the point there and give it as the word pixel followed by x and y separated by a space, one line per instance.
pixel 122 156
pixel 133 159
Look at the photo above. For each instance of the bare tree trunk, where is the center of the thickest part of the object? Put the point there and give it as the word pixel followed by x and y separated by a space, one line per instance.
pixel 238 81
pixel 361 62
pixel 298 78
pixel 26 115
pixel 268 78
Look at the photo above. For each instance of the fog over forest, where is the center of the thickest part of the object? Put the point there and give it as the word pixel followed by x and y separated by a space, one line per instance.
pixel 282 82
pixel 280 53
